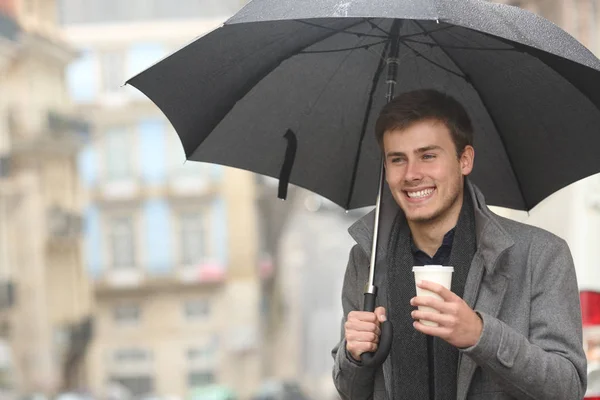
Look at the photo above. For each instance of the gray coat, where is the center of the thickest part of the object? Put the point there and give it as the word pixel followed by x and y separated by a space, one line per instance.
pixel 522 281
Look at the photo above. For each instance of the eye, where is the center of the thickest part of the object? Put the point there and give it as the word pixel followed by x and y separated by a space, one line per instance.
pixel 428 156
pixel 396 160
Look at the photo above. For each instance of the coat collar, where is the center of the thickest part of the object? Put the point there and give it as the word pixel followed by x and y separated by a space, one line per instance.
pixel 492 238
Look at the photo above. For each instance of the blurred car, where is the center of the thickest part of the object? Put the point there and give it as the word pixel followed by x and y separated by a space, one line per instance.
pixel 593 390
pixel 280 390
pixel 590 310
pixel 212 392
pixel 34 396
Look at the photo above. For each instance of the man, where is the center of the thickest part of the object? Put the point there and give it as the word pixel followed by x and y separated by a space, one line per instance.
pixel 511 326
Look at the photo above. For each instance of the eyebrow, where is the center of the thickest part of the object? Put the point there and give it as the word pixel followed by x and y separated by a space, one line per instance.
pixel 427 148
pixel 420 150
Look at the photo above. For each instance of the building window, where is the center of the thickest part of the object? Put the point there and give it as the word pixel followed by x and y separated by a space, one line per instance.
pixel 82 81
pixel 121 240
pixel 112 69
pixel 127 314
pixel 132 356
pixel 192 238
pixel 131 367
pixel 118 153
pixel 201 355
pixel 197 309
pixel 137 385
pixel 200 378
pixel 143 55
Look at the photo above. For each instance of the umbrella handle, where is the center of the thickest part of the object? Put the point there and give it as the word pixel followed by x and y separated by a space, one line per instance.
pixel 385 340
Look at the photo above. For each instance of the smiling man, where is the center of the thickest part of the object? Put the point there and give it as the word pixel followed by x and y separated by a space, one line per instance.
pixel 511 326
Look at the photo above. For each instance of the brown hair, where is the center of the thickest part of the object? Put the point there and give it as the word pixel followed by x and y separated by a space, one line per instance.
pixel 427 104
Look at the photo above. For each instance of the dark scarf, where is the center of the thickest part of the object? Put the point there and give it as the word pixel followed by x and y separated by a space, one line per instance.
pixel 409 348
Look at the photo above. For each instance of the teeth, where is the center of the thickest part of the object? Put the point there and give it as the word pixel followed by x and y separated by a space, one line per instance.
pixel 419 194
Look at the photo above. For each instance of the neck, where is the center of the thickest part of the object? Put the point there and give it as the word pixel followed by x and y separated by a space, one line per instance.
pixel 428 235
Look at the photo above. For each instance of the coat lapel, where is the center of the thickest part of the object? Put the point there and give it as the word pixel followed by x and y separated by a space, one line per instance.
pixel 485 287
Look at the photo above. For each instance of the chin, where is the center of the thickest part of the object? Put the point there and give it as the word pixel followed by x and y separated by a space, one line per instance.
pixel 425 214
pixel 420 218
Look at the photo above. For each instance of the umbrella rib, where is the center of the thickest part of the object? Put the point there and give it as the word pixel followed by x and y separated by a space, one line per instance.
pixel 365 46
pixel 418 53
pixel 343 30
pixel 326 85
pixel 369 20
pixel 444 28
pixel 376 77
pixel 459 47
pixel 492 119
pixel 375 26
pixel 248 87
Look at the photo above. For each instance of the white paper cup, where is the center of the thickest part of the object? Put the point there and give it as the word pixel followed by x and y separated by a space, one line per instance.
pixel 433 273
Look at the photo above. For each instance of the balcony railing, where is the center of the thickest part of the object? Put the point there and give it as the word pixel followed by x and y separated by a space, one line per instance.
pixel 135 279
pixel 31 127
pixel 64 224
pixel 122 189
pixel 61 122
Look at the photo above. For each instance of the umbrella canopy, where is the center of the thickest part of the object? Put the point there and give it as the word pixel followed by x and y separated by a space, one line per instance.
pixel 315 73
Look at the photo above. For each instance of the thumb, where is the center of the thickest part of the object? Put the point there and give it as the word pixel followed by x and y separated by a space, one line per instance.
pixel 380 313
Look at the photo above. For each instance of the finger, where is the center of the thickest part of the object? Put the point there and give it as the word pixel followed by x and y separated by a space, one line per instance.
pixel 438 289
pixel 437 331
pixel 365 316
pixel 443 320
pixel 356 349
pixel 432 302
pixel 381 314
pixel 362 326
pixel 357 336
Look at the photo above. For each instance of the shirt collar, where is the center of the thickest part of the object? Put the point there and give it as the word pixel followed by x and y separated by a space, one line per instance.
pixel 446 241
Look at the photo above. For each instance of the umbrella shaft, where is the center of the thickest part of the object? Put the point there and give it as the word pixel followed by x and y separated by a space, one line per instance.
pixel 392 76
pixel 393 60
pixel 370 285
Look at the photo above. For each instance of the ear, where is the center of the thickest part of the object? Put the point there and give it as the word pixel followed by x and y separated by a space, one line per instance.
pixel 467 158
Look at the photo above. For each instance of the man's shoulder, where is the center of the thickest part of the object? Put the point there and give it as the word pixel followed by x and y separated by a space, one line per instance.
pixel 527 234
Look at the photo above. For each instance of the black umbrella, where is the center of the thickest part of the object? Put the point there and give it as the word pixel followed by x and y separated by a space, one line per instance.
pixel 291 89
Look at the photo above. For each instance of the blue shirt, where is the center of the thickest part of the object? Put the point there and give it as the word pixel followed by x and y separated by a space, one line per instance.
pixel 442 255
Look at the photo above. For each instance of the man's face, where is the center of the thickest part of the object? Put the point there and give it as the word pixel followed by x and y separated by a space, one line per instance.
pixel 423 171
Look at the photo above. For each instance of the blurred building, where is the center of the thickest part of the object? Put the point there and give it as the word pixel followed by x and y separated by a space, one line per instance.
pixel 573 213
pixel 171 246
pixel 314 254
pixel 580 18
pixel 45 300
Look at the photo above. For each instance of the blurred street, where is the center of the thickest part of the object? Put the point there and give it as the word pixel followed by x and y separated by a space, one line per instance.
pixel 127 273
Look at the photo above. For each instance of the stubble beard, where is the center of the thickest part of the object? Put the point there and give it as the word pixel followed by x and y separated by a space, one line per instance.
pixel 438 214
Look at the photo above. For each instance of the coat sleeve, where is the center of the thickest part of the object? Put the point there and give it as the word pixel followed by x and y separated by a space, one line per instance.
pixel 551 363
pixel 352 380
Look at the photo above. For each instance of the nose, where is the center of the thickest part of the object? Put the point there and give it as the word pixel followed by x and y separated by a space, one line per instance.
pixel 413 171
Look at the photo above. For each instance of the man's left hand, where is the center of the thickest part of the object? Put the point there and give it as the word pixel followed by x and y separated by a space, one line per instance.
pixel 458 324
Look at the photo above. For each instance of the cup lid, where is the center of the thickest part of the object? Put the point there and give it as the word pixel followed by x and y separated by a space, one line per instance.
pixel 433 268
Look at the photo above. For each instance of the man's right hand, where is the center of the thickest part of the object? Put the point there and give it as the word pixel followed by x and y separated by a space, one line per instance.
pixel 362 331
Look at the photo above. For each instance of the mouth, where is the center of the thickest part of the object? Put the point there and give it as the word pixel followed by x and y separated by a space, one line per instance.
pixel 417 195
